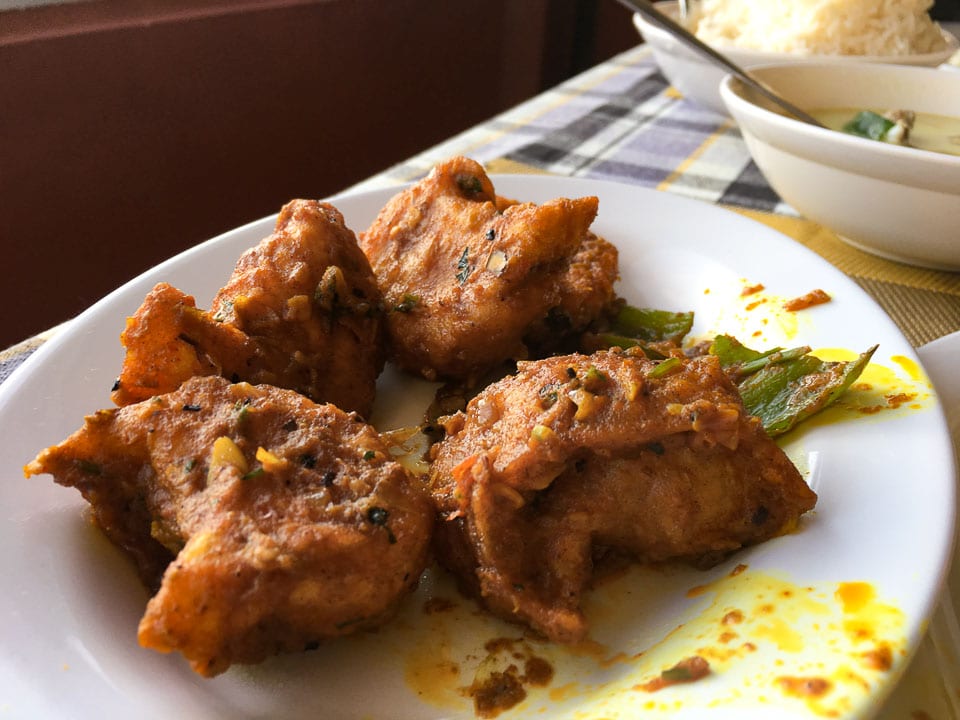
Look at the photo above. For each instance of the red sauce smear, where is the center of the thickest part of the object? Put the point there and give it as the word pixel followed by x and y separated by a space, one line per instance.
pixel 814 297
pixel 734 617
pixel 804 686
pixel 499 690
pixel 899 399
pixel 438 605
pixel 892 402
pixel 687 670
pixel 880 658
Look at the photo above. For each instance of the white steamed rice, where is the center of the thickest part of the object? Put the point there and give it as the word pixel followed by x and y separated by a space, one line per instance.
pixel 821 27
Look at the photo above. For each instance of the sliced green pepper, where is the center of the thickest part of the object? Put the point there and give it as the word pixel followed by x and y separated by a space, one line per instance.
pixel 650 325
pixel 784 394
pixel 780 386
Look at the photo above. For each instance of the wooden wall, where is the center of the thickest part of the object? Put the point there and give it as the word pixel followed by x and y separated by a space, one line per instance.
pixel 133 129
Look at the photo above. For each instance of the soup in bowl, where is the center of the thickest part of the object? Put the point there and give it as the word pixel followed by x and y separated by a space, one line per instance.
pixel 891 199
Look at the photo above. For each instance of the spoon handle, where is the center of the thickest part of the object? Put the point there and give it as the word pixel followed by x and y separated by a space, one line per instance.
pixel 647 10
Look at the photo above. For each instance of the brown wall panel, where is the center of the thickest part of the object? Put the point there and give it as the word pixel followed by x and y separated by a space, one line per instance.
pixel 124 144
pixel 133 129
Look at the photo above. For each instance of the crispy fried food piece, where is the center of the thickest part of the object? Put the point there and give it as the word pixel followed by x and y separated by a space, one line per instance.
pixel 301 311
pixel 467 276
pixel 268 523
pixel 578 456
pixel 586 294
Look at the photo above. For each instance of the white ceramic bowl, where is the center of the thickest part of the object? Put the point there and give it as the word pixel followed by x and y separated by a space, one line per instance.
pixel 897 202
pixel 699 80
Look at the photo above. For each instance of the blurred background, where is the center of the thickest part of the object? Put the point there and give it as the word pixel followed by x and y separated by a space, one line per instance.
pixel 948 10
pixel 133 129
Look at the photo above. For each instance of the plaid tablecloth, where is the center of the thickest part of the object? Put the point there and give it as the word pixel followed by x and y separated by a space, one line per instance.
pixel 621 121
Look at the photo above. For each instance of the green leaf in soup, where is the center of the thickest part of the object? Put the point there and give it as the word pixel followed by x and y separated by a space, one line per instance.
pixel 870 125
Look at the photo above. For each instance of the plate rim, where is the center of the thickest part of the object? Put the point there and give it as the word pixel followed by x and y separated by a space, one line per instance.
pixel 74 327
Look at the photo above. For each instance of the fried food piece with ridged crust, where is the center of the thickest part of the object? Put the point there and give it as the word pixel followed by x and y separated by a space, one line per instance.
pixel 586 295
pixel 265 522
pixel 300 311
pixel 467 276
pixel 579 457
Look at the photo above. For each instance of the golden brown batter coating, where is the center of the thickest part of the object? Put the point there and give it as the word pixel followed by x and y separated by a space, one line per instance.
pixel 577 456
pixel 586 293
pixel 467 276
pixel 270 523
pixel 301 311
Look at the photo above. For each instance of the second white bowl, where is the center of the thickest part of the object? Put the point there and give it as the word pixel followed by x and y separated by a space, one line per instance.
pixel 897 202
pixel 699 80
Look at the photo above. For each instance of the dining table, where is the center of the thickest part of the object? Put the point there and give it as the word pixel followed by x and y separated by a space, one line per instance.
pixel 621 121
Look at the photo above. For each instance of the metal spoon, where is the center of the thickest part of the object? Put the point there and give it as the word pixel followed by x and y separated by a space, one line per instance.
pixel 656 17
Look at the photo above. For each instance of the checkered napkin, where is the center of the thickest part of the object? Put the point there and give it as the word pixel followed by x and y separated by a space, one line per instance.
pixel 619 121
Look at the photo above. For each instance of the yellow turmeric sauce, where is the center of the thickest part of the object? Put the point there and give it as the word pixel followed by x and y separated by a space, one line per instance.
pixel 882 391
pixel 755 316
pixel 741 639
pixel 756 640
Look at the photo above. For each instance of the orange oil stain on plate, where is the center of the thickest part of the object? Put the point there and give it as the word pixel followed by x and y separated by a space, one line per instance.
pixel 881 392
pixel 756 316
pixel 773 641
pixel 769 642
pixel 461 660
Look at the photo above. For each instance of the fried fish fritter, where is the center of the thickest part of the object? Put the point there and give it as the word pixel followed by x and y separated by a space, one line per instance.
pixel 469 279
pixel 301 311
pixel 578 456
pixel 269 523
pixel 586 295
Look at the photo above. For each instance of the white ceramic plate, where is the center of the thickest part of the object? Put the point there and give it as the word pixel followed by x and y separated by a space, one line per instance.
pixel 940 359
pixel 813 612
